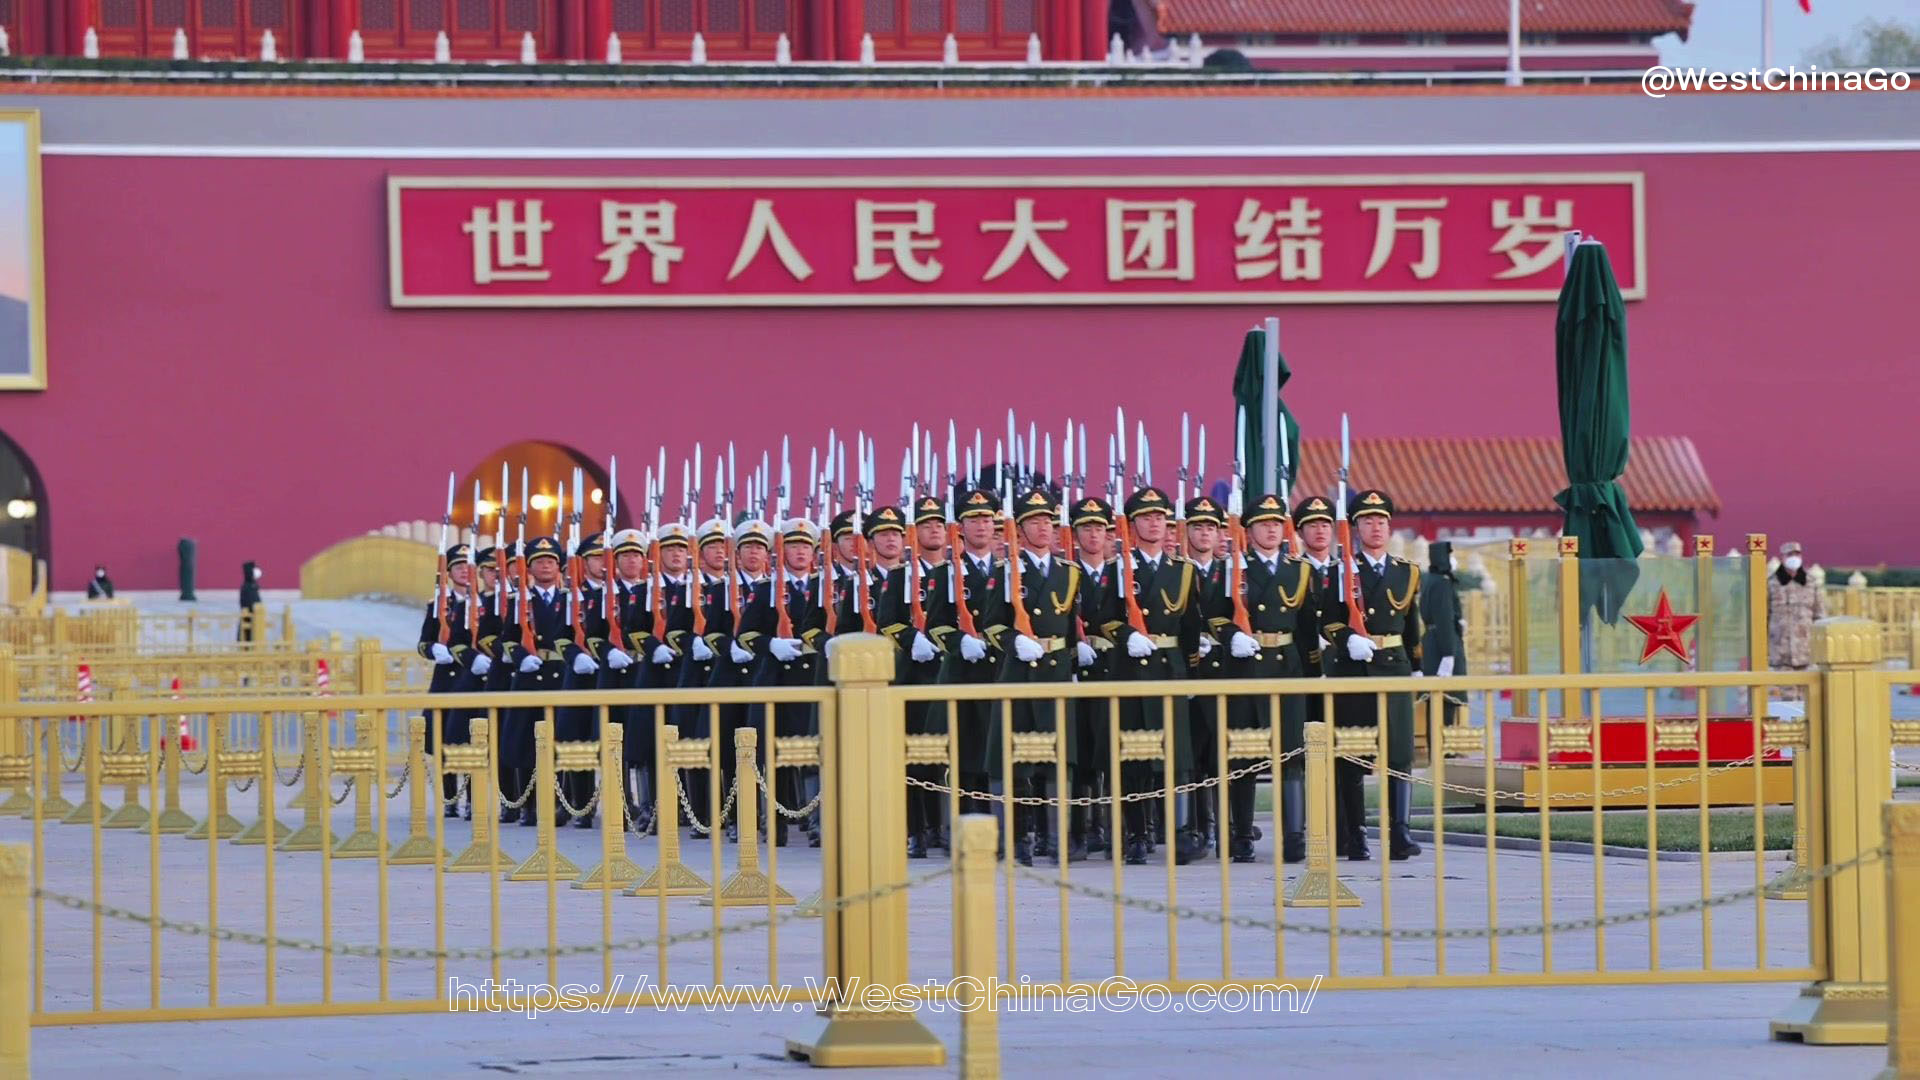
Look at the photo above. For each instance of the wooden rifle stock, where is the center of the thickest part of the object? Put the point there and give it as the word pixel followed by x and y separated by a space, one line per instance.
pixel 916 581
pixel 528 640
pixel 576 566
pixel 1017 574
pixel 610 597
pixel 864 563
pixel 780 598
pixel 441 596
pixel 1350 589
pixel 656 595
pixel 1135 617
pixel 1241 622
pixel 956 567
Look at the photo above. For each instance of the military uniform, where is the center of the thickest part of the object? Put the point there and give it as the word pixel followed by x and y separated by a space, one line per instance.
pixel 581 723
pixel 667 615
pixel 923 717
pixel 1049 593
pixel 1100 607
pixel 635 639
pixel 1389 598
pixel 1166 589
pixel 1216 609
pixel 1277 598
pixel 794 661
pixel 460 664
pixel 982 588
pixel 546 613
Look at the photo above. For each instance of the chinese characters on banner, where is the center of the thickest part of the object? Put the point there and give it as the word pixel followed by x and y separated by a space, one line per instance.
pixel 587 242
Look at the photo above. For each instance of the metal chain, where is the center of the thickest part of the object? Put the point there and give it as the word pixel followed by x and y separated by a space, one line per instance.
pixel 706 933
pixel 524 796
pixel 1906 766
pixel 1097 800
pixel 298 771
pixel 686 807
pixel 245 785
pixel 560 792
pixel 77 757
pixel 1565 796
pixel 791 815
pixel 404 773
pixel 187 763
pixel 1791 879
pixel 344 792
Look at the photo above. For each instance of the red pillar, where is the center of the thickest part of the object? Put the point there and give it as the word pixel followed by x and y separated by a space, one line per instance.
pixel 850 20
pixel 817 42
pixel 599 25
pixel 1093 29
pixel 80 15
pixel 1063 30
pixel 343 18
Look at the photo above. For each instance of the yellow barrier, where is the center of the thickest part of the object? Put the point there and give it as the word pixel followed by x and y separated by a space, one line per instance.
pixel 115 628
pixel 1634 921
pixel 371 566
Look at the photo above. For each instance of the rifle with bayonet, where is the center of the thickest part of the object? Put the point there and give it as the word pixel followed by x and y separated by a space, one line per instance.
pixel 440 587
pixel 1350 588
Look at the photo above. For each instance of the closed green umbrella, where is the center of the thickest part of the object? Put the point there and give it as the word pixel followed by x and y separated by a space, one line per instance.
pixel 1249 394
pixel 1590 356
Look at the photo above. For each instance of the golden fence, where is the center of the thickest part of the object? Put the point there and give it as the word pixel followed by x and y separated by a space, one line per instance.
pixel 371 566
pixel 17 581
pixel 355 916
pixel 115 628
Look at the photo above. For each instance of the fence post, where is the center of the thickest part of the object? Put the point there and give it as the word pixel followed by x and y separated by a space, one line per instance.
pixel 17 734
pixel 865 761
pixel 417 849
pixel 748 885
pixel 1571 662
pixel 974 841
pixel 1851 742
pixel 616 871
pixel 1519 633
pixel 671 877
pixel 547 851
pixel 256 619
pixel 1902 824
pixel 1320 886
pixel 288 636
pixel 16 945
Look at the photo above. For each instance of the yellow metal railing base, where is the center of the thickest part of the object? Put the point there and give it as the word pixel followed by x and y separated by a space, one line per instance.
pixel 474 861
pixel 256 834
pixel 860 1037
pixel 1836 1014
pixel 809 908
pixel 19 804
pixel 749 888
pixel 625 873
pixel 228 828
pixel 131 815
pixel 362 844
pixel 535 868
pixel 54 806
pixel 305 838
pixel 174 821
pixel 1322 889
pixel 680 881
pixel 415 851
pixel 82 813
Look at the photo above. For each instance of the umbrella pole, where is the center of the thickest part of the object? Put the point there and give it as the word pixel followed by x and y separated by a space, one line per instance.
pixel 1270 409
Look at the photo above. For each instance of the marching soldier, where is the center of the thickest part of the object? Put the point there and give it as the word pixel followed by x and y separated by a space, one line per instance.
pixel 710 593
pixel 930 531
pixel 630 598
pixel 1100 606
pixel 844 565
pixel 600 658
pixel 1049 590
pixel 1313 530
pixel 459 665
pixel 1205 548
pixel 1277 599
pixel 791 661
pixel 740 649
pixel 968 658
pixel 666 656
pixel 1387 646
pixel 921 667
pixel 915 658
pixel 541 668
pixel 1171 637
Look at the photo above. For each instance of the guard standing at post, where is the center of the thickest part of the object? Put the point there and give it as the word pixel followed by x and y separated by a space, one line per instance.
pixel 1100 606
pixel 1048 588
pixel 459 665
pixel 542 668
pixel 791 660
pixel 969 659
pixel 739 654
pixel 581 723
pixel 1277 598
pixel 921 667
pixel 696 670
pixel 1205 522
pixel 1389 647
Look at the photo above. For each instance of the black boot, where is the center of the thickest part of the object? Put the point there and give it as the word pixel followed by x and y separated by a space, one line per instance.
pixel 916 846
pixel 530 814
pixel 1400 845
pixel 1351 802
pixel 1293 809
pixel 509 791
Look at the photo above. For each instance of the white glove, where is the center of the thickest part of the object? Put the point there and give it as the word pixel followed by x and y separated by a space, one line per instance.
pixel 618 659
pixel 663 654
pixel 972 649
pixel 740 655
pixel 1206 644
pixel 701 652
pixel 529 664
pixel 1445 669
pixel 922 650
pixel 1139 646
pixel 1026 649
pixel 1085 654
pixel 1417 673
pixel 786 650
pixel 482 664
pixel 1360 648
pixel 440 653
pixel 1242 645
pixel 584 665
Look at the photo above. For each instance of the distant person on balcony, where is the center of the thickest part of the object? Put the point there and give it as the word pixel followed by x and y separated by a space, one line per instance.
pixel 249 599
pixel 1793 603
pixel 101 587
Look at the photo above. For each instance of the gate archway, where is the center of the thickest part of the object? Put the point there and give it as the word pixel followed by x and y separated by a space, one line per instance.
pixel 547 465
pixel 23 504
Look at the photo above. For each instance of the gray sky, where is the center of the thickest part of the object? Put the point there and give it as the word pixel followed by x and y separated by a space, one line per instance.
pixel 1726 33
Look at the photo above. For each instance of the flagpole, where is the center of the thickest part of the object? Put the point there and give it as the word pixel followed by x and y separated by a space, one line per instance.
pixel 1270 408
pixel 1513 42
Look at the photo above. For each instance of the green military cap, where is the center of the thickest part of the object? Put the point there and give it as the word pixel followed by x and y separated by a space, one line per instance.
pixel 590 546
pixel 1369 501
pixel 459 553
pixel 1203 509
pixel 929 510
pixel 1034 503
pixel 1148 500
pixel 1266 508
pixel 543 547
pixel 885 518
pixel 1312 508
pixel 977 503
pixel 1092 511
pixel 842 524
pixel 485 555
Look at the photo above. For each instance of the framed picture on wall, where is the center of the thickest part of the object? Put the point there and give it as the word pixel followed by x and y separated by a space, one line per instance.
pixel 23 315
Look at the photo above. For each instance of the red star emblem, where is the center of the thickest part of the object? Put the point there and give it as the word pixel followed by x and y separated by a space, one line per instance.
pixel 1665 630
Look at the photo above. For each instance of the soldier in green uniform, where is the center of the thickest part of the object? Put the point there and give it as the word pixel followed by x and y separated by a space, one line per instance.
pixel 1100 606
pixel 1204 522
pixel 1049 591
pixel 1388 645
pixel 969 658
pixel 1164 647
pixel 924 816
pixel 1276 596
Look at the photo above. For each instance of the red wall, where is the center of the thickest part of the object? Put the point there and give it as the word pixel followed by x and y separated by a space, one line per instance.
pixel 224 364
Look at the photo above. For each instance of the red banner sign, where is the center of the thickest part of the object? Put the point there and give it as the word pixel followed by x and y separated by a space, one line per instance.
pixel 589 242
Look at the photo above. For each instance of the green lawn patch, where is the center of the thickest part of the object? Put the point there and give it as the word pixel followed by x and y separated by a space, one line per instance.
pixel 1679 830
